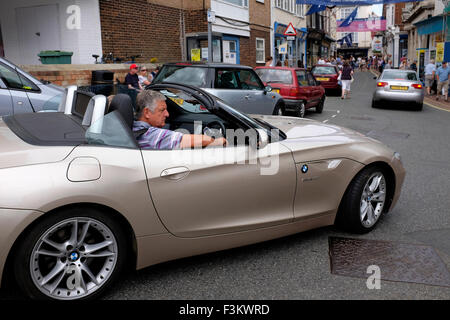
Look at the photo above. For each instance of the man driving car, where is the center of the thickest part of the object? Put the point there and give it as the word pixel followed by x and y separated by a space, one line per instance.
pixel 152 114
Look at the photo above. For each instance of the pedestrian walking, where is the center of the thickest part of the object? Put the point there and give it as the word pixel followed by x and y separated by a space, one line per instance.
pixel 430 72
pixel 269 62
pixel 346 76
pixel 442 76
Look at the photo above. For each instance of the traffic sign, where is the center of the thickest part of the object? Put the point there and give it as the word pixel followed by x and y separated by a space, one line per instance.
pixel 290 30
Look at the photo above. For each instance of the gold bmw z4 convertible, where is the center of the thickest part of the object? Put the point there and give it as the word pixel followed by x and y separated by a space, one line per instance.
pixel 80 201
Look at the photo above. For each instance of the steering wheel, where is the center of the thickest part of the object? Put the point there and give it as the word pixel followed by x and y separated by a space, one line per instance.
pixel 214 129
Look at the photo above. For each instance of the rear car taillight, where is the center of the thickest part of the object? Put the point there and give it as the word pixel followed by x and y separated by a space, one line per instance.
pixel 382 84
pixel 294 92
pixel 417 86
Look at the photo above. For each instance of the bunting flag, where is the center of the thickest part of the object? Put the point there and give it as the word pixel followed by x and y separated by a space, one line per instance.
pixel 348 3
pixel 348 21
pixel 316 8
pixel 348 39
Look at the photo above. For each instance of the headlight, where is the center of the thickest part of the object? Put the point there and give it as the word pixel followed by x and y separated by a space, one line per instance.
pixel 397 156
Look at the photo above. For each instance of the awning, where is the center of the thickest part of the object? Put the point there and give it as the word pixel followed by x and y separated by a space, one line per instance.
pixel 430 25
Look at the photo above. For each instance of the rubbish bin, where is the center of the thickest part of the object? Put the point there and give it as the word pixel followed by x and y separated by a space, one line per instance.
pixel 55 57
pixel 102 82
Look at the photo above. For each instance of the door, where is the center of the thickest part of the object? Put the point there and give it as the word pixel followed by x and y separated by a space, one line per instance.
pixel 38 30
pixel 314 89
pixel 18 86
pixel 229 51
pixel 257 99
pixel 197 194
pixel 305 88
pixel 5 100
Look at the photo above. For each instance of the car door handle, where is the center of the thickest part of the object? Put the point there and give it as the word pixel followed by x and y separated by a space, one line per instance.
pixel 177 173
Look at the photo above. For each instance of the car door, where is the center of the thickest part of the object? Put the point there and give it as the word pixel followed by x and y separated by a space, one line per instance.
pixel 215 190
pixel 18 86
pixel 256 99
pixel 314 89
pixel 5 100
pixel 304 86
pixel 226 87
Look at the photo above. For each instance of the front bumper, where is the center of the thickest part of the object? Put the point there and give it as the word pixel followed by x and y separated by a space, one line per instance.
pixel 399 96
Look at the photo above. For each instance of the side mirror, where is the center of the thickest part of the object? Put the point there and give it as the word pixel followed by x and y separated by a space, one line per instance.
pixel 263 138
pixel 267 89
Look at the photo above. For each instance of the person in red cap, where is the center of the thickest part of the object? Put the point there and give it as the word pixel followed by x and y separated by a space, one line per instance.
pixel 132 78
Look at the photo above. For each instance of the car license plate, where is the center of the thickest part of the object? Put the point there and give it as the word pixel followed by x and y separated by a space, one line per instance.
pixel 322 79
pixel 399 88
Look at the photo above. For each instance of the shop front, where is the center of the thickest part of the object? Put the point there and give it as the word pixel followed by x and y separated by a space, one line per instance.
pixel 315 47
pixel 291 51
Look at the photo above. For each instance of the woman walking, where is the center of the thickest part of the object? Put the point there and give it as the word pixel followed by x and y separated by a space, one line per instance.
pixel 346 79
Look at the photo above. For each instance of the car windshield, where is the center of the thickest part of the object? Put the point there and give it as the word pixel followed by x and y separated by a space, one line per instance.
pixel 184 100
pixel 275 75
pixel 323 70
pixel 195 76
pixel 398 75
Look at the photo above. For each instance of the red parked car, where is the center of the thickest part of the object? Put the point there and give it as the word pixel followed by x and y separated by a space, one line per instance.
pixel 327 75
pixel 299 89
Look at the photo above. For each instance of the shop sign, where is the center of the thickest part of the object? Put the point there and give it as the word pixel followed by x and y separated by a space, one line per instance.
pixel 439 51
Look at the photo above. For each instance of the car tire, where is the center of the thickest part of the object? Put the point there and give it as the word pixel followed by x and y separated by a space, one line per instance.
pixel 374 105
pixel 51 264
pixel 364 201
pixel 301 110
pixel 279 110
pixel 319 107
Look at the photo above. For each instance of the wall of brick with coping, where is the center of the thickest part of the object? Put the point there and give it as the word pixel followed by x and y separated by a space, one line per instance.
pixel 80 75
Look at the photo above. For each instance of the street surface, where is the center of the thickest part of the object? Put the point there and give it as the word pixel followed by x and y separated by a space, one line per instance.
pixel 298 267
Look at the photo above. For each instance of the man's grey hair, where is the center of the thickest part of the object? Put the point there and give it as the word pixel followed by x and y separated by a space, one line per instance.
pixel 148 99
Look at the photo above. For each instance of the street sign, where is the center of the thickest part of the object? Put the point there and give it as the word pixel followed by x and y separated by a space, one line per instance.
pixel 290 38
pixel 211 16
pixel 290 30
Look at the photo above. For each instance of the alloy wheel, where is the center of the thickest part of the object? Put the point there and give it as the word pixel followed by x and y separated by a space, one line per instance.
pixel 373 199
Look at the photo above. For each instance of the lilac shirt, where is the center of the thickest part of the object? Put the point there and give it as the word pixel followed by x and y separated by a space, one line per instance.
pixel 157 138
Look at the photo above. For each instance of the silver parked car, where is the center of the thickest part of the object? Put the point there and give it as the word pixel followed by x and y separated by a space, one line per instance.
pixel 399 86
pixel 239 86
pixel 20 92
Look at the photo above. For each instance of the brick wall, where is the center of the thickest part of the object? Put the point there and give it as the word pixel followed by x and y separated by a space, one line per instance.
pixel 137 27
pixel 248 47
pixel 79 75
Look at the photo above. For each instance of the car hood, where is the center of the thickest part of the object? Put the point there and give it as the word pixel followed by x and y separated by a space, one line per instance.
pixel 14 152
pixel 311 140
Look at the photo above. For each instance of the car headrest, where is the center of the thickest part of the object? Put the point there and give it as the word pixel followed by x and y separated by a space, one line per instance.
pixel 123 104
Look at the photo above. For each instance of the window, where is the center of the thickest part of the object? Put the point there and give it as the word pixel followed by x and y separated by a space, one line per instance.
pixel 299 10
pixel 242 3
pixel 14 80
pixel 226 79
pixel 301 78
pixel 260 51
pixel 311 80
pixel 249 80
pixel 195 76
pixel 345 12
pixel 354 36
pixel 275 75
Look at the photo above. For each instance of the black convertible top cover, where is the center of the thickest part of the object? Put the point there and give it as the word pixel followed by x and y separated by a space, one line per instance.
pixel 47 128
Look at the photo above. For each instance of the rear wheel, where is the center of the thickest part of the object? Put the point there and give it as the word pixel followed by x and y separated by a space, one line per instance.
pixel 279 110
pixel 301 110
pixel 71 255
pixel 364 201
pixel 319 107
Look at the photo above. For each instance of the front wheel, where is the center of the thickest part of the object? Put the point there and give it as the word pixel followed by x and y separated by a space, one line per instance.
pixel 70 255
pixel 319 107
pixel 364 201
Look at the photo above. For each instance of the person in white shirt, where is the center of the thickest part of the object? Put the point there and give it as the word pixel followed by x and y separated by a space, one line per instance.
pixel 321 61
pixel 430 71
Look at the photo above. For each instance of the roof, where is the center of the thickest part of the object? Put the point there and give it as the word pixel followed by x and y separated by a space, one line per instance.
pixel 205 64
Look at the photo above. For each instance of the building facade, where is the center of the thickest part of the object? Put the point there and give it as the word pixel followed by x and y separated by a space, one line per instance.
pixel 321 28
pixel 290 49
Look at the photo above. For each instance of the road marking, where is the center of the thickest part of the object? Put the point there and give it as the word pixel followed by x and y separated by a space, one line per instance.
pixel 436 107
pixel 333 116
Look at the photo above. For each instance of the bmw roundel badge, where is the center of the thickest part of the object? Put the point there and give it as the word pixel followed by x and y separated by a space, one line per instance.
pixel 305 168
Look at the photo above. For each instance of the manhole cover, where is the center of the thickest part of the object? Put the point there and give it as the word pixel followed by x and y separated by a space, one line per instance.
pixel 397 261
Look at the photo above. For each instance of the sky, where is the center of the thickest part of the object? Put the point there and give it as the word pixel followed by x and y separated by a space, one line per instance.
pixel 378 9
